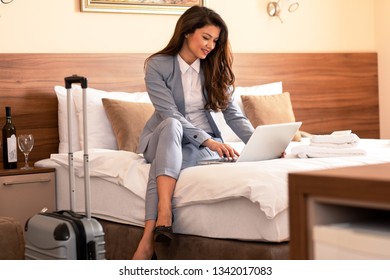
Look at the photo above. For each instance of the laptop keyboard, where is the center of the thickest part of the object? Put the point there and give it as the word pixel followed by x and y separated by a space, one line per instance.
pixel 216 161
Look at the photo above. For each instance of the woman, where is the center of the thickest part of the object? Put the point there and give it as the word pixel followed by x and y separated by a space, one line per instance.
pixel 186 80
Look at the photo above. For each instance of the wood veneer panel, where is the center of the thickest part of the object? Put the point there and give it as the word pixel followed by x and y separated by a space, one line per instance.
pixel 328 91
pixel 27 85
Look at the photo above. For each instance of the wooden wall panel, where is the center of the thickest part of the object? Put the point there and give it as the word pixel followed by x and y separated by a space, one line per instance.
pixel 334 91
pixel 329 91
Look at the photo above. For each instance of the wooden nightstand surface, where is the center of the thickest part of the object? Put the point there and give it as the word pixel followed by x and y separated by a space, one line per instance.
pixel 18 171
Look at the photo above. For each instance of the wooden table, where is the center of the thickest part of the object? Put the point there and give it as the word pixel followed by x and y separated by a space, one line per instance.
pixel 335 195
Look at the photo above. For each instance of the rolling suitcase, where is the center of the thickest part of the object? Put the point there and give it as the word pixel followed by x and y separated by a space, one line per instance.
pixel 67 235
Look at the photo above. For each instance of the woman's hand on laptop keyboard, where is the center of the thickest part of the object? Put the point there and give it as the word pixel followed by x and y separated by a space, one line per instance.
pixel 224 150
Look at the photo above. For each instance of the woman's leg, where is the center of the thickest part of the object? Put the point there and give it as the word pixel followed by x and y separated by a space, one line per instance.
pixel 165 188
pixel 165 154
pixel 145 247
pixel 164 151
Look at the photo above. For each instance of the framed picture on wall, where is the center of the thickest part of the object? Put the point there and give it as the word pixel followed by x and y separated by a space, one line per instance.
pixel 140 6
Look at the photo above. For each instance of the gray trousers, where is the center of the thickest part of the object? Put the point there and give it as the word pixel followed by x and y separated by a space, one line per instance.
pixel 168 155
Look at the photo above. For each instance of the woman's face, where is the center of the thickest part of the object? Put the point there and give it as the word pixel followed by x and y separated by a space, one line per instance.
pixel 200 43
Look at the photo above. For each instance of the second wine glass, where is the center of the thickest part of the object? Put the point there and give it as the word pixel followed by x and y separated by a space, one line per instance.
pixel 26 143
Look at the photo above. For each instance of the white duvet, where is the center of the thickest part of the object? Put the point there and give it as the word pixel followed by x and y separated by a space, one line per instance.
pixel 264 183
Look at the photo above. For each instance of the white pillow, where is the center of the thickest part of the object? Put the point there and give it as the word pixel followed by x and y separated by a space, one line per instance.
pixel 100 133
pixel 265 89
pixel 63 122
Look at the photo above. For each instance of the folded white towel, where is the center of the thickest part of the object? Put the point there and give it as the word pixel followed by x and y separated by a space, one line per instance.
pixel 336 146
pixel 309 151
pixel 335 138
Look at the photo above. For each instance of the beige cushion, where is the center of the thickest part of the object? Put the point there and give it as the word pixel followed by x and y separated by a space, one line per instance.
pixel 127 120
pixel 269 109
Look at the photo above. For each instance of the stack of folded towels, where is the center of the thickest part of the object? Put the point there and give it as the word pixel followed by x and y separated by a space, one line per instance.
pixel 336 144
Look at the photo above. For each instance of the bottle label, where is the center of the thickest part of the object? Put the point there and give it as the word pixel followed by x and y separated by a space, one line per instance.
pixel 12 152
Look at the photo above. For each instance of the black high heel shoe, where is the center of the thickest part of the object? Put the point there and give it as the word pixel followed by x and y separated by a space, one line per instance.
pixel 163 233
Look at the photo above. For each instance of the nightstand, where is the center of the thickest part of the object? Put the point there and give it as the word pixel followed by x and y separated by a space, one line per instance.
pixel 24 193
pixel 322 198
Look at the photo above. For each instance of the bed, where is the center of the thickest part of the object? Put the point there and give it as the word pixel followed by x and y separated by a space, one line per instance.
pixel 242 216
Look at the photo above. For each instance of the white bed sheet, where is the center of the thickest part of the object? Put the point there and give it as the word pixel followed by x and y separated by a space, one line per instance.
pixel 247 201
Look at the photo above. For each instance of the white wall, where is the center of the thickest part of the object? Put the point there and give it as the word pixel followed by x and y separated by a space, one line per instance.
pixel 317 26
pixel 47 26
pixel 383 49
pixel 59 26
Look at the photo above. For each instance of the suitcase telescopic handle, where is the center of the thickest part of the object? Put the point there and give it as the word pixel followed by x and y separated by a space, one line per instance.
pixel 75 79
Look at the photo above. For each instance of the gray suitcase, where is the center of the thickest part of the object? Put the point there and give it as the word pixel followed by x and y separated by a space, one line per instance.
pixel 66 235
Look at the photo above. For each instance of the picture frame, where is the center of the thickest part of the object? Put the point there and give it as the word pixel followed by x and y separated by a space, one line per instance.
pixel 140 6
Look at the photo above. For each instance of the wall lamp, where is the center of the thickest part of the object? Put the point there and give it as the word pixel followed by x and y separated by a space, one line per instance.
pixel 273 8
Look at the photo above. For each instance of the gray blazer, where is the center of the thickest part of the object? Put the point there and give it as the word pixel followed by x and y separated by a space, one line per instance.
pixel 165 89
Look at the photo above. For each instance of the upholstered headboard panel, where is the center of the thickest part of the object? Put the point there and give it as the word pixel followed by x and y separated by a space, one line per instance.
pixel 329 91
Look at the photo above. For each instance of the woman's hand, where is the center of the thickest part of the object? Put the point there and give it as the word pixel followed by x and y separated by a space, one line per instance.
pixel 223 150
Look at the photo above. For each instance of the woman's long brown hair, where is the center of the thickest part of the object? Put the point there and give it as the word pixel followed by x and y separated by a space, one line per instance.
pixel 217 66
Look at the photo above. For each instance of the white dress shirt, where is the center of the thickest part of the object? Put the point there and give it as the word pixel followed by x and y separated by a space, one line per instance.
pixel 193 96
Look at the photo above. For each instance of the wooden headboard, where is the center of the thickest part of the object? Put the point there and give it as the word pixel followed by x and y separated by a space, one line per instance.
pixel 329 91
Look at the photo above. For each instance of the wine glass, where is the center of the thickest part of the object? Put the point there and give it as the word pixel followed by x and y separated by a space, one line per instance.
pixel 26 143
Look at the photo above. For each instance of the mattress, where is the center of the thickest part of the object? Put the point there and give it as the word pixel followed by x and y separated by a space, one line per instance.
pixel 244 201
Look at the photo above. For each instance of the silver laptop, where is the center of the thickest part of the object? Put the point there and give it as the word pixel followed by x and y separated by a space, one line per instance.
pixel 267 142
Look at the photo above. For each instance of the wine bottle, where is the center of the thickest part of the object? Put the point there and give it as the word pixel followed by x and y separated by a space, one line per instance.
pixel 10 152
